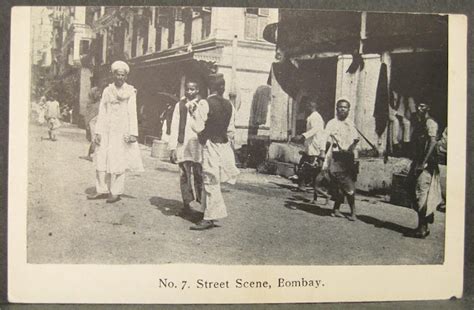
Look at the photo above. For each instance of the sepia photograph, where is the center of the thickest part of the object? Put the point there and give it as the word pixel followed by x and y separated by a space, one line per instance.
pixel 238 136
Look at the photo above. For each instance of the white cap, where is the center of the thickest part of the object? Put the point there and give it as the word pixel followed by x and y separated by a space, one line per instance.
pixel 120 65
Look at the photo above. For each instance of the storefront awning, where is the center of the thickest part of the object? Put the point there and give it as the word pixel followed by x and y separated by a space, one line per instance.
pixel 210 55
pixel 309 31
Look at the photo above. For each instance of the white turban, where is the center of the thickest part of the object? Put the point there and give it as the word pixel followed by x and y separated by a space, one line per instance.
pixel 120 65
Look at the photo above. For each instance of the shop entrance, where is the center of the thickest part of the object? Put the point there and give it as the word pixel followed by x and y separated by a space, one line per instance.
pixel 318 78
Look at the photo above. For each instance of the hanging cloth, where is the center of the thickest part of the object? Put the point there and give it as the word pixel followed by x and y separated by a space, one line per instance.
pixel 382 100
pixel 261 99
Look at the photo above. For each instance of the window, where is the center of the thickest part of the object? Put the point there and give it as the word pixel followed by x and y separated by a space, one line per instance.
pixel 171 28
pixel 84 47
pixel 256 19
pixel 253 11
pixel 264 12
pixel 98 50
pixel 206 23
pixel 165 20
pixel 158 38
pixel 188 24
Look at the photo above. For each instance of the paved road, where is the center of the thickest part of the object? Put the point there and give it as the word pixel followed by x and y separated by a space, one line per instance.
pixel 267 224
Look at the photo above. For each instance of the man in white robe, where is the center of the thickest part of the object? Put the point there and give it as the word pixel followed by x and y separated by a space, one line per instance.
pixel 116 133
pixel 214 123
pixel 185 147
pixel 52 116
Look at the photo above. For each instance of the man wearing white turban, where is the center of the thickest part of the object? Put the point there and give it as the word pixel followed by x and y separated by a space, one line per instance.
pixel 116 136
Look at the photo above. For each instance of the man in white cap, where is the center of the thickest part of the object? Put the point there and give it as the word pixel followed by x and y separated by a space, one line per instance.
pixel 214 123
pixel 116 135
pixel 342 137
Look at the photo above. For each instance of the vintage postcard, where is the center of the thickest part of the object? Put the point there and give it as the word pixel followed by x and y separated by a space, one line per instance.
pixel 235 155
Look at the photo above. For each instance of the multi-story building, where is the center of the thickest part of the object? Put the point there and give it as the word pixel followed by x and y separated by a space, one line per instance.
pixel 167 45
pixel 41 39
pixel 41 31
pixel 70 43
pixel 383 63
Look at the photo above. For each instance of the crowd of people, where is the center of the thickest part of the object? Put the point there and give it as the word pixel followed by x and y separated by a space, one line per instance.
pixel 201 143
pixel 329 161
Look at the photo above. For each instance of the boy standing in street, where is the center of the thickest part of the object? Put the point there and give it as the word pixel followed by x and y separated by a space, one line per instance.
pixel 52 117
pixel 185 148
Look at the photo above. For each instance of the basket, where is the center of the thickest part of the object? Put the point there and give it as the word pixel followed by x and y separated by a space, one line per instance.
pixel 159 149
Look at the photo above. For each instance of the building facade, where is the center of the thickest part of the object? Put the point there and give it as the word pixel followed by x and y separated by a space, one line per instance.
pixel 165 46
pixel 41 44
pixel 382 63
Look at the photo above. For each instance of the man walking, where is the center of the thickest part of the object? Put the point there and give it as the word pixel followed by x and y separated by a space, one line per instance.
pixel 340 165
pixel 185 147
pixel 52 117
pixel 424 180
pixel 116 134
pixel 214 123
pixel 313 140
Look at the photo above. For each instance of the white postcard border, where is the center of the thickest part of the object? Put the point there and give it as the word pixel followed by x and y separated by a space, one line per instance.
pixel 38 283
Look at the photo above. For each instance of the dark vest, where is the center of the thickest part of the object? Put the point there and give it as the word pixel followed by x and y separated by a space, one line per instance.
pixel 183 115
pixel 218 118
pixel 420 142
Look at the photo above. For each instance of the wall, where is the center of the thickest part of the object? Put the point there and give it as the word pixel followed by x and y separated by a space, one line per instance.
pixel 80 14
pixel 41 36
pixel 85 85
pixel 251 59
pixel 280 112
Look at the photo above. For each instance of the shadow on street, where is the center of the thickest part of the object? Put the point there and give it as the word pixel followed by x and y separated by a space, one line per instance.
pixel 171 207
pixel 386 225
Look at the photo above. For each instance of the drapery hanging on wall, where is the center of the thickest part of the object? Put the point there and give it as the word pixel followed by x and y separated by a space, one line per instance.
pixel 261 100
pixel 382 100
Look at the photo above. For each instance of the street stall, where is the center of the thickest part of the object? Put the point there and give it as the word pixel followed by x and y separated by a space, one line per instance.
pixel 382 63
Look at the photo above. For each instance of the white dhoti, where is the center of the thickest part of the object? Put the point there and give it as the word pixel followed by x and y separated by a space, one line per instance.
pixel 218 166
pixel 110 183
pixel 428 192
pixel 114 155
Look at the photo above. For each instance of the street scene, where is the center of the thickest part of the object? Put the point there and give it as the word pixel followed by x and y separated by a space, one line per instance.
pixel 268 224
pixel 163 135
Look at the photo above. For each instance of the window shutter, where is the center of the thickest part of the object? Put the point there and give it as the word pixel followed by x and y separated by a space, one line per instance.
pixel 253 11
pixel 251 27
pixel 262 23
pixel 263 12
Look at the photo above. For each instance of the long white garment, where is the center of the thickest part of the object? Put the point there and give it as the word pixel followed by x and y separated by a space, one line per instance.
pixel 109 183
pixel 218 166
pixel 314 135
pixel 52 109
pixel 117 120
pixel 190 149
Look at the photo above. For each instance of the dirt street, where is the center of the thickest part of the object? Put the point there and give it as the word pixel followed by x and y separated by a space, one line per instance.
pixel 268 224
